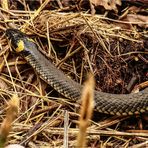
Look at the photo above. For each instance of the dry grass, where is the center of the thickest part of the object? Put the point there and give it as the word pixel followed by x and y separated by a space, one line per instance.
pixel 104 48
pixel 12 111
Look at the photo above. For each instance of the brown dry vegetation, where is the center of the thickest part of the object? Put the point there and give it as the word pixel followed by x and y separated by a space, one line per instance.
pixel 115 51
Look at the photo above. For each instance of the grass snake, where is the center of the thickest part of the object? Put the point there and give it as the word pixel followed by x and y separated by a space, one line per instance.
pixel 114 104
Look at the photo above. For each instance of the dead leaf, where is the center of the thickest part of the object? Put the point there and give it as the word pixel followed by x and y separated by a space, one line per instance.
pixel 3 84
pixel 140 20
pixel 143 1
pixel 107 4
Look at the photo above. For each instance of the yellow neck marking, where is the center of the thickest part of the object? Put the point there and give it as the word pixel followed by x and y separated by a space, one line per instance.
pixel 20 46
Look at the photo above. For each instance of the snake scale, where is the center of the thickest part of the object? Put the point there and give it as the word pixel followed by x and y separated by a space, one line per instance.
pixel 114 104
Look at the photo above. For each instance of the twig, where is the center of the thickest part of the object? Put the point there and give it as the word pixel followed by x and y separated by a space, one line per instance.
pixel 66 122
pixel 86 111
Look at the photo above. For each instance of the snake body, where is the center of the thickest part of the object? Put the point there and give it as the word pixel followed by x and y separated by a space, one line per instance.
pixel 115 104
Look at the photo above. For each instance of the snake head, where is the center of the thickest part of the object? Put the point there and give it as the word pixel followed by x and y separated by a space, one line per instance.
pixel 15 36
pixel 19 41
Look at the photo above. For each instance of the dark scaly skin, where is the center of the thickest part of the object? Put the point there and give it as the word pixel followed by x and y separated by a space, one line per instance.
pixel 114 104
